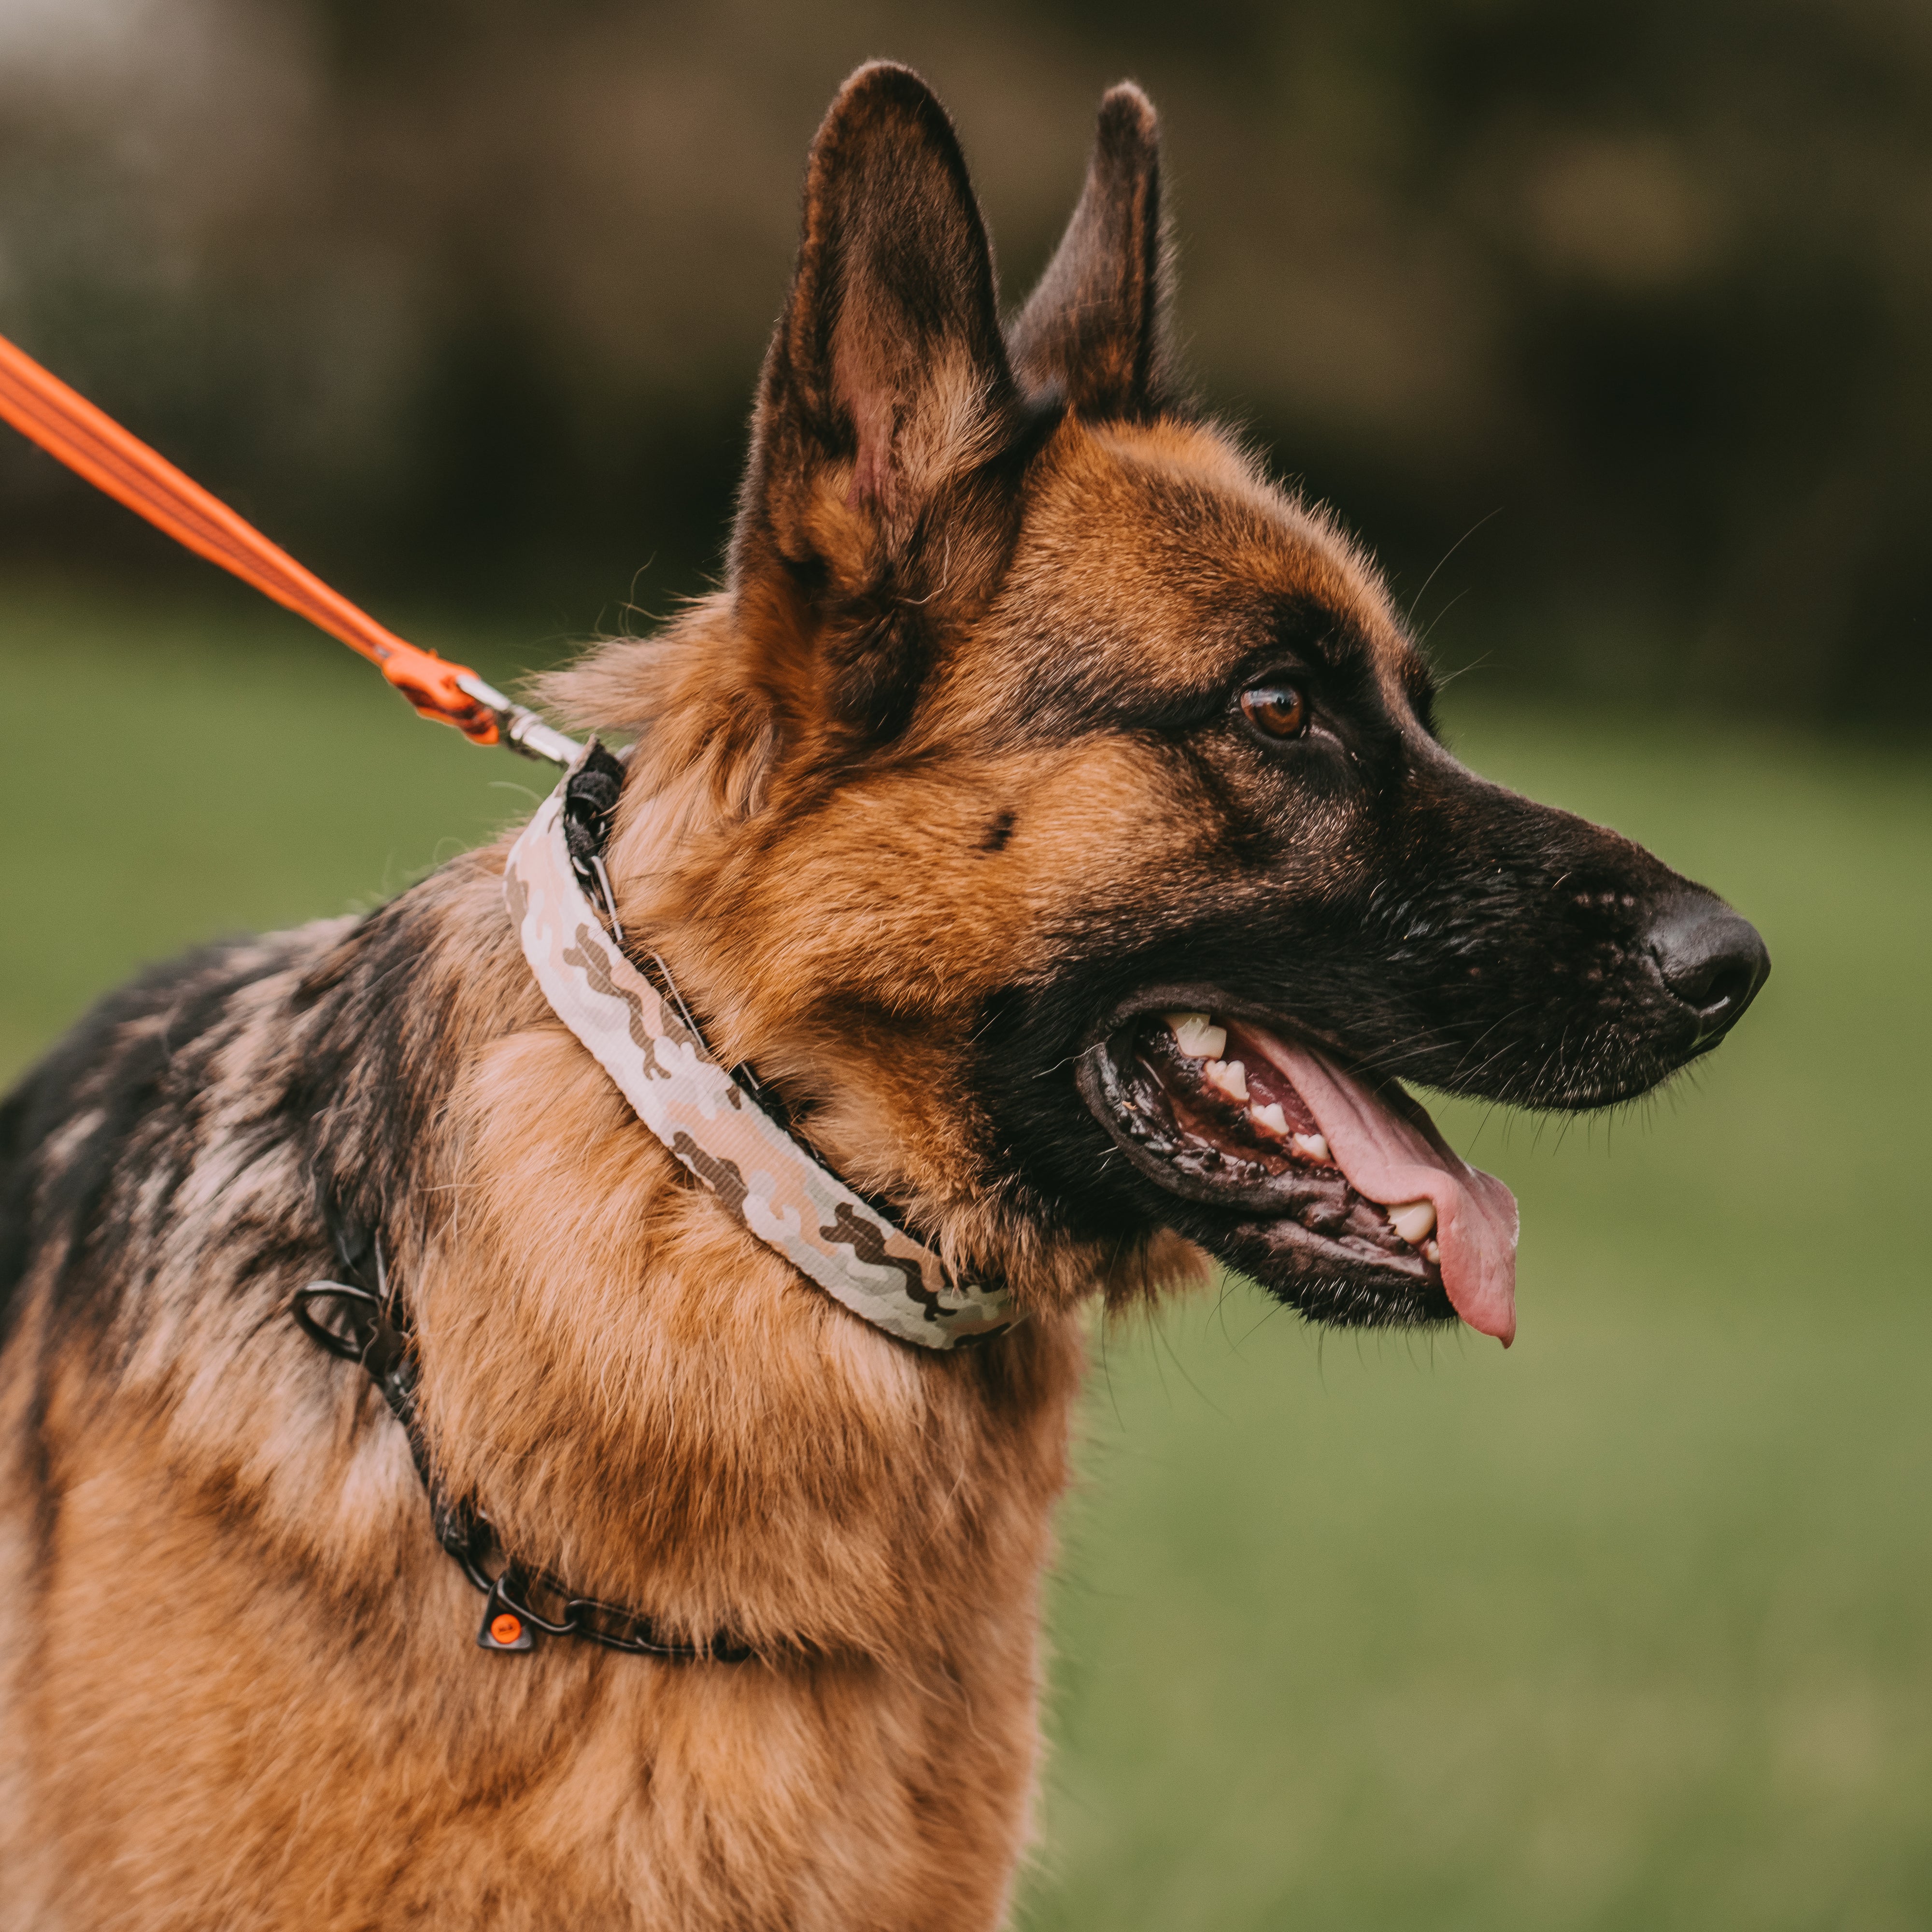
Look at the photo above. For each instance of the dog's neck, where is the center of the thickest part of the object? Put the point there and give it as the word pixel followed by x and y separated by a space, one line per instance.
pixel 644 1397
pixel 779 957
pixel 641 1394
pixel 720 1124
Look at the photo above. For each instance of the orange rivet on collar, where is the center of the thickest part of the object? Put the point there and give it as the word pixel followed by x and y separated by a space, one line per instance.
pixel 506 1628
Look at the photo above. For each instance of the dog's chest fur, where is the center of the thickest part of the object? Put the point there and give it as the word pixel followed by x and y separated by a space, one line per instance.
pixel 641 1397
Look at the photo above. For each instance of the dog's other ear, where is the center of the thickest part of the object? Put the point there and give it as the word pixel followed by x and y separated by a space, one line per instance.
pixel 886 392
pixel 1095 330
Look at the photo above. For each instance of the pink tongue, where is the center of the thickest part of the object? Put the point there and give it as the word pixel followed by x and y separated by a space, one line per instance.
pixel 1391 1158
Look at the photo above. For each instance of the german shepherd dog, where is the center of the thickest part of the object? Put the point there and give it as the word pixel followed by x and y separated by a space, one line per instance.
pixel 1050 812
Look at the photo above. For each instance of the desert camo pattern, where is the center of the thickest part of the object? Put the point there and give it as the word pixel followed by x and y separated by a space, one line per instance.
pixel 765 1180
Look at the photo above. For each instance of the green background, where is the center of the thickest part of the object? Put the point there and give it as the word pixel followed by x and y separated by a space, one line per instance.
pixel 1624 302
pixel 1626 1628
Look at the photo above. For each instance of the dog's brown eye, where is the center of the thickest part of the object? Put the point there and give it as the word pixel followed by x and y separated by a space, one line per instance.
pixel 1278 710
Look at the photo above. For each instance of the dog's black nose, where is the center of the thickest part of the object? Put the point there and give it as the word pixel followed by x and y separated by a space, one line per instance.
pixel 1710 958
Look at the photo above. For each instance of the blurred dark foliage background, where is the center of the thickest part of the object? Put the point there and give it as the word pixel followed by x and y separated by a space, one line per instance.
pixel 1606 324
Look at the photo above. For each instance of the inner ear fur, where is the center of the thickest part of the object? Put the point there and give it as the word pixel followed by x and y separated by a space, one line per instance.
pixel 1095 331
pixel 886 402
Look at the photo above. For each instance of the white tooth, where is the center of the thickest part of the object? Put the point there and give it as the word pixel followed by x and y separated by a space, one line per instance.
pixel 1228 1076
pixel 1312 1147
pixel 1413 1220
pixel 1431 1251
pixel 1197 1036
pixel 1270 1120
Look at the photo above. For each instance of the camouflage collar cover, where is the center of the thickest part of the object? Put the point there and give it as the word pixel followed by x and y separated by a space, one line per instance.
pixel 770 1184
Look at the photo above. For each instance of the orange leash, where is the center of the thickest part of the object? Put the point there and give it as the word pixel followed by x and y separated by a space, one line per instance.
pixel 92 445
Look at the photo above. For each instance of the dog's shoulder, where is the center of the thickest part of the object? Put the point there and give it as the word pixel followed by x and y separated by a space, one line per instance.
pixel 117 1110
pixel 224 1117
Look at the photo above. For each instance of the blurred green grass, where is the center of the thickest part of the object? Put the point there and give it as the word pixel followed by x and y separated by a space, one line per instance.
pixel 1627 1628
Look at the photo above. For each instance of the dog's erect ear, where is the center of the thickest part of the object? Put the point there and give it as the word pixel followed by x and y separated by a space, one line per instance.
pixel 1095 329
pixel 887 385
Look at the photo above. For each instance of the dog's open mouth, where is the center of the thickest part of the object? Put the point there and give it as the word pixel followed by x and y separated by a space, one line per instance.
pixel 1317 1180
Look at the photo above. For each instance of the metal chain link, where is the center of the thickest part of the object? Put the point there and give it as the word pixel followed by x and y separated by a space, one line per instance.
pixel 374 1332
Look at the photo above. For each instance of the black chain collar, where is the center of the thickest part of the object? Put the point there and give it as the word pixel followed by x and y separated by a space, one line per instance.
pixel 371 1326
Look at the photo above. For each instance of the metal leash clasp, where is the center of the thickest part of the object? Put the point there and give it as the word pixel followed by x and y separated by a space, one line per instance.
pixel 522 730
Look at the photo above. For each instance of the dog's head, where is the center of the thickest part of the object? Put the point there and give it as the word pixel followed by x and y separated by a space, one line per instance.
pixel 1052 805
